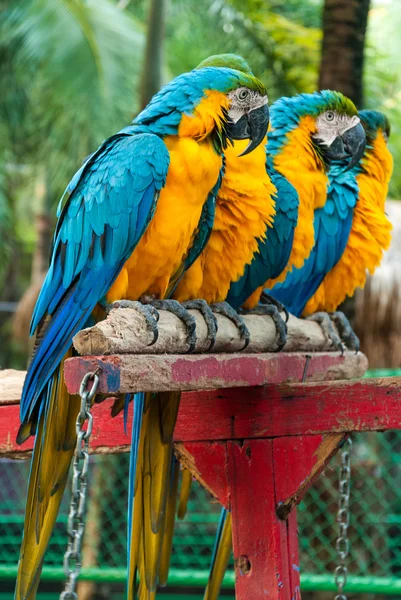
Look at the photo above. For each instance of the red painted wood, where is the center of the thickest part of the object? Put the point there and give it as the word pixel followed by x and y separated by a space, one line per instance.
pixel 298 462
pixel 208 462
pixel 294 459
pixel 9 425
pixel 291 410
pixel 108 367
pixel 263 552
pixel 255 412
pixel 160 372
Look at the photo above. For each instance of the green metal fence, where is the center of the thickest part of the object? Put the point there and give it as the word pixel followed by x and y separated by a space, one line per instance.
pixel 375 525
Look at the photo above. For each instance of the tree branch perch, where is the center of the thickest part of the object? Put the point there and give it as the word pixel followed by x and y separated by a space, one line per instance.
pixel 125 332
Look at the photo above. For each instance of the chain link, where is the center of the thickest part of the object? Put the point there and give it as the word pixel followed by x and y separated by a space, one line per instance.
pixel 342 543
pixel 76 517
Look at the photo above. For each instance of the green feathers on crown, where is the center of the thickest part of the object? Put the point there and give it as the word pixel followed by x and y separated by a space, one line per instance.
pixel 229 61
pixel 237 63
pixel 338 102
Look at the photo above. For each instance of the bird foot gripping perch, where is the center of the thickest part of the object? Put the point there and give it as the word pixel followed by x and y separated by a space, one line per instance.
pixel 345 339
pixel 207 314
pixel 223 308
pixel 149 308
pixel 345 330
pixel 272 307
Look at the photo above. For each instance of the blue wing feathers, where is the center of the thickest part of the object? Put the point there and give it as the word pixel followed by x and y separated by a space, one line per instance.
pixel 332 225
pixel 91 244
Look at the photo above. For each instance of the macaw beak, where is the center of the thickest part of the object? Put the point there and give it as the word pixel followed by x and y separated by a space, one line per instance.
pixel 252 126
pixel 349 144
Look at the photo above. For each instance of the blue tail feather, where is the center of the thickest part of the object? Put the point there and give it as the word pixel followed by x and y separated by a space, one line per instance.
pixel 220 527
pixel 139 402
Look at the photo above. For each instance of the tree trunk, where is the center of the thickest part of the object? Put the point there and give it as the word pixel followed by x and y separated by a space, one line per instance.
pixel 153 65
pixel 344 33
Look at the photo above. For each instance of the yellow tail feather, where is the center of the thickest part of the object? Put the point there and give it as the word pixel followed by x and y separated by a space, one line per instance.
pixel 167 545
pixel 158 450
pixel 186 483
pixel 220 562
pixel 155 495
pixel 53 452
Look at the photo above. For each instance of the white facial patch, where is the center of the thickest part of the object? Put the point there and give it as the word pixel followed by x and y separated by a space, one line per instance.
pixel 330 125
pixel 241 106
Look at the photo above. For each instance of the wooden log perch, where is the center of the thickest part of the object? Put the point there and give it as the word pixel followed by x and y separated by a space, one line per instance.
pixel 125 332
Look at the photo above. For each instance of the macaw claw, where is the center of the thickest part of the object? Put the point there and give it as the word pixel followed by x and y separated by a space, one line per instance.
pixel 345 330
pixel 147 310
pixel 267 299
pixel 207 313
pixel 179 311
pixel 223 308
pixel 273 311
pixel 325 322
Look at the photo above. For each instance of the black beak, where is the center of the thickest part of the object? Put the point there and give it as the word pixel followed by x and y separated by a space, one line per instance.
pixel 350 144
pixel 252 126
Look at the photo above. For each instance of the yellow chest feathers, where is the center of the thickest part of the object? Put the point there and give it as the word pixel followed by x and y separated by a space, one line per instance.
pixel 245 208
pixel 194 170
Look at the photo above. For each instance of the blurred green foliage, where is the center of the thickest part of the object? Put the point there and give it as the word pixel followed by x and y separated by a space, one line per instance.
pixel 70 73
pixel 69 78
pixel 383 75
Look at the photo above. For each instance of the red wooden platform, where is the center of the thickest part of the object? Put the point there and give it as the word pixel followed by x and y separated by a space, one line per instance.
pixel 256 447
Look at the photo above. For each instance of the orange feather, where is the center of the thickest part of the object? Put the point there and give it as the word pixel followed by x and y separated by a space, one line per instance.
pixel 370 233
pixel 245 208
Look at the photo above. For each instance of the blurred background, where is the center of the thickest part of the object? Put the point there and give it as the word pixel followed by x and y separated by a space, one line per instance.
pixel 75 71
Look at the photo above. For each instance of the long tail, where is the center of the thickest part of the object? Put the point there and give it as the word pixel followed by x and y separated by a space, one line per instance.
pixel 221 556
pixel 151 490
pixel 53 451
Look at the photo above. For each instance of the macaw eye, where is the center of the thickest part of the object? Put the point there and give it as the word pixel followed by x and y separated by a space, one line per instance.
pixel 330 115
pixel 243 94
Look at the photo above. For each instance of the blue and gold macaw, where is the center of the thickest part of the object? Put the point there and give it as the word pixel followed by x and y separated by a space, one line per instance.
pixel 127 223
pixel 332 225
pixel 370 232
pixel 351 232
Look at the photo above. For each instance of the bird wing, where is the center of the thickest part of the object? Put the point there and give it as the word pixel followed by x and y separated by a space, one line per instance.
pixel 102 216
pixel 332 225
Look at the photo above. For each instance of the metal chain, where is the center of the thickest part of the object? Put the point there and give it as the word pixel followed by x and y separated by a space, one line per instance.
pixel 342 543
pixel 76 517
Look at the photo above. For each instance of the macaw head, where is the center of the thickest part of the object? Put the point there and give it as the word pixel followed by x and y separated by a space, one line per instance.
pixel 248 112
pixel 214 101
pixel 334 126
pixel 375 122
